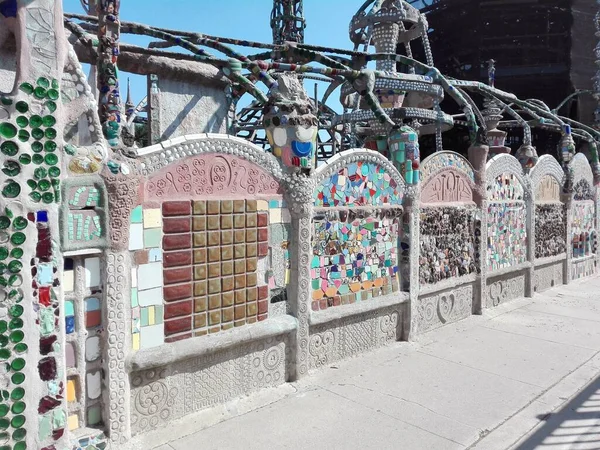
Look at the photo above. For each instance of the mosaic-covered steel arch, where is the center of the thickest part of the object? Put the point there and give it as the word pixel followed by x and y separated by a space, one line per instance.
pixel 507 190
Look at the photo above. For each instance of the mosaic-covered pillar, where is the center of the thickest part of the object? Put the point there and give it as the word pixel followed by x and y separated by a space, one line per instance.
pixel 477 158
pixel 568 199
pixel 404 153
pixel 301 190
pixel 32 408
pixel 530 225
pixel 108 74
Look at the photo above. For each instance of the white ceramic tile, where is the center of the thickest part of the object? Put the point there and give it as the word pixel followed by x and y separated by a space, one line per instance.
pixel 92 272
pixel 94 384
pixel 134 277
pixel 92 348
pixel 136 236
pixel 152 336
pixel 150 297
pixel 155 255
pixel 68 280
pixel 275 215
pixel 152 218
pixel 150 276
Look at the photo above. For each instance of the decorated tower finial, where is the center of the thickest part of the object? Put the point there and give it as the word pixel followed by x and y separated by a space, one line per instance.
pixel 129 106
pixel 287 21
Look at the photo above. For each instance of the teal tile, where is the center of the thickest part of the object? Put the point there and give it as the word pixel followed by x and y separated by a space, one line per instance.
pixel 134 297
pixel 136 215
pixel 144 317
pixel 152 237
pixel 158 315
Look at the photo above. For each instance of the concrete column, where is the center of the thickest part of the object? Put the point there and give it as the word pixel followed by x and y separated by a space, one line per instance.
pixel 410 267
pixel 300 189
pixel 530 226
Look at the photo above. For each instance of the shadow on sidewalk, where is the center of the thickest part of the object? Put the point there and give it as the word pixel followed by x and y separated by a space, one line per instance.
pixel 575 426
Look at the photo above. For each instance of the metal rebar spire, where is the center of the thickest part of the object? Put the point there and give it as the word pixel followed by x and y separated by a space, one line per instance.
pixel 287 21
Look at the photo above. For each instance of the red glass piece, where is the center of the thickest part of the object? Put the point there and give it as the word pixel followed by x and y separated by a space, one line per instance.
pixel 44 297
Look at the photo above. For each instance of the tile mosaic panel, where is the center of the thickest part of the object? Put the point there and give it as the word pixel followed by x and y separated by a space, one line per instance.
pixel 506 187
pixel 447 247
pixel 550 229
pixel 354 258
pixel 583 237
pixel 279 256
pixel 84 329
pixel 359 184
pixel 84 217
pixel 214 265
pixel 548 190
pixel 507 235
pixel 146 231
pixel 443 160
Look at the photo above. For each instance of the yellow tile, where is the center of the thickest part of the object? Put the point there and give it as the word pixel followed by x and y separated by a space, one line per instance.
pixel 262 205
pixel 275 215
pixel 73 422
pixel 287 277
pixel 71 396
pixel 136 341
pixel 151 315
pixel 152 218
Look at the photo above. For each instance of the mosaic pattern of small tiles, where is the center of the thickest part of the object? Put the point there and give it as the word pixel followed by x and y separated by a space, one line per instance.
pixel 550 230
pixel 506 188
pixel 507 235
pixel 82 283
pixel 583 229
pixel 355 258
pixel 444 160
pixel 448 247
pixel 359 184
pixel 166 295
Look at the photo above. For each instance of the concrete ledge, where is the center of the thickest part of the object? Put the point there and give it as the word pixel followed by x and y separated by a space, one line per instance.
pixel 582 259
pixel 205 345
pixel 550 260
pixel 509 270
pixel 452 283
pixel 356 309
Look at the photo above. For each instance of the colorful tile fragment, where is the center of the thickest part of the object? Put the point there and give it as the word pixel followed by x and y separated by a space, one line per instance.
pixel 583 237
pixel 354 258
pixel 359 184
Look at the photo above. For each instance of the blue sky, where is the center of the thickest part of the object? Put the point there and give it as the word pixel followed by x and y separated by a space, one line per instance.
pixel 327 21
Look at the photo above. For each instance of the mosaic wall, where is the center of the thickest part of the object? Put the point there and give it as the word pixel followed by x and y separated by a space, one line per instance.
pixel 447 186
pixel 583 191
pixel 583 237
pixel 505 188
pixel 82 283
pixel 145 241
pixel 359 184
pixel 547 190
pixel 447 247
pixel 355 256
pixel 507 220
pixel 550 229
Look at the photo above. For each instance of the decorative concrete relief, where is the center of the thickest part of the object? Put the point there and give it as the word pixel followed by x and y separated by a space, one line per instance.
pixel 447 186
pixel 349 337
pixel 547 277
pixel 548 190
pixel 447 247
pixel 444 160
pixel 209 174
pixel 505 289
pixel 359 184
pixel 583 229
pixel 161 395
pixel 550 229
pixel 84 218
pixel 354 256
pixel 436 310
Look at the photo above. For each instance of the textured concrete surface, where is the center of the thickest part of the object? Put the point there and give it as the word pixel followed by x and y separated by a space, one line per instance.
pixel 523 376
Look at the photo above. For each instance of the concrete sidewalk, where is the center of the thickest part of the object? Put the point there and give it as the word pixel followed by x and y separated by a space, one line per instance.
pixel 523 376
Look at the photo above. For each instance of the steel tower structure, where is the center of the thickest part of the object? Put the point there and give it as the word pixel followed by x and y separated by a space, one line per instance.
pixel 287 21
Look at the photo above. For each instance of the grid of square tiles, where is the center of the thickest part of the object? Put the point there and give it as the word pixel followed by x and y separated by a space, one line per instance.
pixel 145 241
pixel 212 253
pixel 82 283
